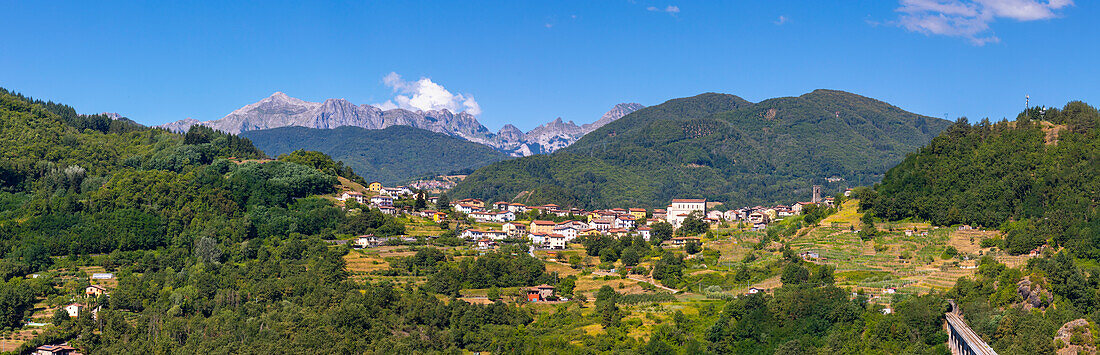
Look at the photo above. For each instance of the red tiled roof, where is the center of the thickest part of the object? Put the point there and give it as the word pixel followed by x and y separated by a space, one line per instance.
pixel 689 200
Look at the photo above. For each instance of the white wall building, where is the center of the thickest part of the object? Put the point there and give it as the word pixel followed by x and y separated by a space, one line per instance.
pixel 680 208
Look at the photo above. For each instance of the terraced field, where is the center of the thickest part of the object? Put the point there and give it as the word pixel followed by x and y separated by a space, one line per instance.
pixel 906 255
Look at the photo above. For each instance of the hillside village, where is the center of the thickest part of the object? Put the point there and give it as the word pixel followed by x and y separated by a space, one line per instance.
pixel 520 222
pixel 305 231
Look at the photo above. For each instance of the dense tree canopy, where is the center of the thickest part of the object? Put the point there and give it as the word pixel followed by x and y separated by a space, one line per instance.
pixel 392 155
pixel 1036 180
pixel 718 147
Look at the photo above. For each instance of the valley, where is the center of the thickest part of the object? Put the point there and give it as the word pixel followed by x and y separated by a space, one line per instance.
pixel 166 228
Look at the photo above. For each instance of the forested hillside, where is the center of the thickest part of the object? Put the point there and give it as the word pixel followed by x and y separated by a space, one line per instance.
pixel 1037 179
pixel 392 155
pixel 220 255
pixel 719 147
pixel 211 255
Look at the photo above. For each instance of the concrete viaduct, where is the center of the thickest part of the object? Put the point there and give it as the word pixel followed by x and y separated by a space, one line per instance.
pixel 960 338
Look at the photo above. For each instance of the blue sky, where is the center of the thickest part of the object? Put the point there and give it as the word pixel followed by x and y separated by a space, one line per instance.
pixel 526 62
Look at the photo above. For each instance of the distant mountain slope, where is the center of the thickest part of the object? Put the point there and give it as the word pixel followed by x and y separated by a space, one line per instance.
pixel 720 147
pixel 391 155
pixel 280 110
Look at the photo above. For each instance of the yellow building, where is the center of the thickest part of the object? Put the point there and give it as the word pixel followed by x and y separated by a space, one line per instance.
pixel 542 227
pixel 438 217
pixel 375 187
pixel 638 213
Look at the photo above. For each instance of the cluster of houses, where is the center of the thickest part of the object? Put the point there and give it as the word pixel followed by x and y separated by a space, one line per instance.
pixel 94 291
pixel 617 222
pixel 432 185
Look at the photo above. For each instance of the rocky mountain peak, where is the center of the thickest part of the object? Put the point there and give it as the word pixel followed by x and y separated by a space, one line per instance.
pixel 616 112
pixel 282 110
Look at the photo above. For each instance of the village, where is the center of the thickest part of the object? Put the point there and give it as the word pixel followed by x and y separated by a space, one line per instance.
pixel 725 241
pixel 515 224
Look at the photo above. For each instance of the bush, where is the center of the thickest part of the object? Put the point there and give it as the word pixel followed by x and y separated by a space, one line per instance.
pixel 949 252
pixel 991 242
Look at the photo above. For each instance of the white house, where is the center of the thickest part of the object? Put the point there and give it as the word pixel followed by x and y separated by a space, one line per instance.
pixel 367 241
pixel 517 208
pixel 486 243
pixel 387 210
pixel 681 208
pixel 494 234
pixel 466 208
pixel 397 192
pixel 538 239
pixel 567 230
pixel 555 241
pixel 381 200
pixel 645 232
pixel 602 224
pixel 480 216
pixel 74 309
pixel 354 196
pixel 473 234
pixel 624 222
pixel 504 216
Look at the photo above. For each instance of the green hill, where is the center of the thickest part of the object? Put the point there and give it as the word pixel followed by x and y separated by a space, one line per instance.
pixel 392 155
pixel 1037 179
pixel 192 236
pixel 720 147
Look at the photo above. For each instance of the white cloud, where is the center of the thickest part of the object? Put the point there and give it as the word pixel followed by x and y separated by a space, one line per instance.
pixel 425 95
pixel 670 9
pixel 971 19
pixel 781 20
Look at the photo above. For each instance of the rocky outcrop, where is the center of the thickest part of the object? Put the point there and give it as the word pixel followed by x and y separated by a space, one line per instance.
pixel 1076 338
pixel 1033 295
pixel 280 110
pixel 616 113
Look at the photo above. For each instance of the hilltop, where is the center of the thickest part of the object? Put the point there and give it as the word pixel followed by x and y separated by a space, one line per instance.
pixel 720 147
pixel 1037 178
pixel 391 155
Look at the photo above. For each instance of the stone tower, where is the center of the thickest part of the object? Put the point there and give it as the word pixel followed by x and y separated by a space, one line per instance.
pixel 817 194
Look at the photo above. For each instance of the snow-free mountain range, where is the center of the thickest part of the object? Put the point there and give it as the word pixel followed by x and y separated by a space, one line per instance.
pixel 280 110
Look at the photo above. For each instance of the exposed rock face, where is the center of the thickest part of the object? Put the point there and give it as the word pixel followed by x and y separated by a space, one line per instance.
pixel 1077 338
pixel 616 113
pixel 280 110
pixel 1033 295
pixel 181 125
pixel 555 135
